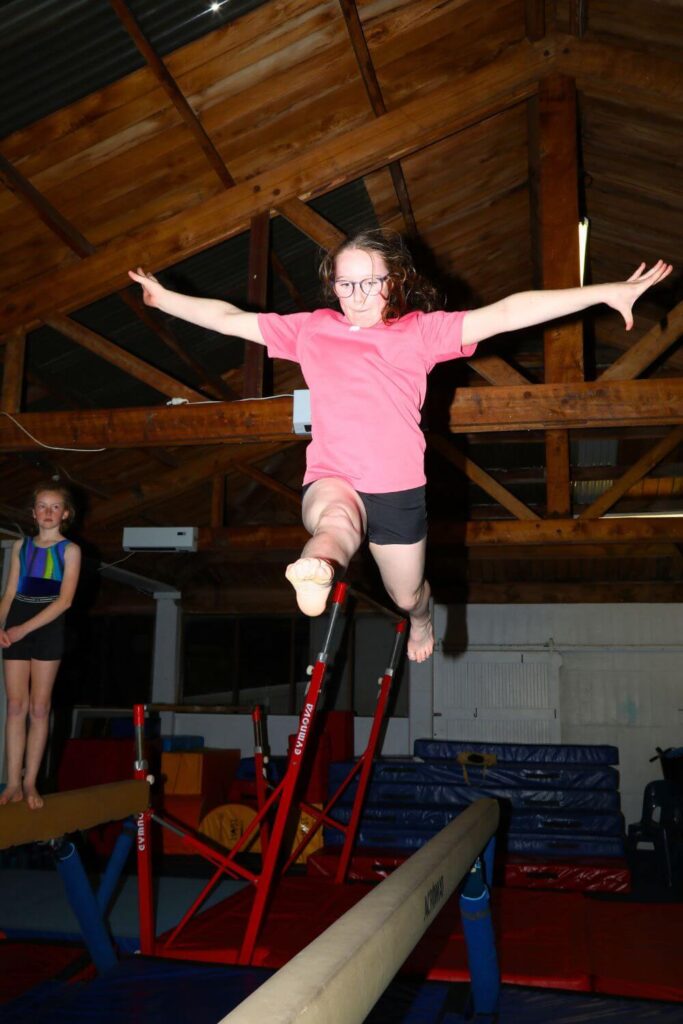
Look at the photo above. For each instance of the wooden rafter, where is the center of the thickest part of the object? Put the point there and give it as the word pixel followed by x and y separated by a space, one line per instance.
pixel 635 473
pixel 480 477
pixel 282 490
pixel 639 356
pixel 122 359
pixel 587 405
pixel 466 100
pixel 66 231
pixel 534 19
pixel 170 87
pixel 498 533
pixel 372 87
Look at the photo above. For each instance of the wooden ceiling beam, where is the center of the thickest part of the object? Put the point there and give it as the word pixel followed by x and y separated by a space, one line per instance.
pixel 583 404
pixel 629 76
pixel 311 224
pixel 480 477
pixel 640 355
pixel 558 592
pixel 122 359
pixel 293 497
pixel 489 533
pixel 354 27
pixel 496 371
pixel 495 410
pixel 468 98
pixel 534 19
pixel 636 472
pixel 71 237
pixel 13 372
pixel 170 87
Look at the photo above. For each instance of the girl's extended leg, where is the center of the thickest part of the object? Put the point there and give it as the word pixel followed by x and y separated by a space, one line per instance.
pixel 43 675
pixel 334 516
pixel 402 570
pixel 17 674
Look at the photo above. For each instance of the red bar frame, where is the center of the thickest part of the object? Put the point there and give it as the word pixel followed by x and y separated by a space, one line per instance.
pixel 284 796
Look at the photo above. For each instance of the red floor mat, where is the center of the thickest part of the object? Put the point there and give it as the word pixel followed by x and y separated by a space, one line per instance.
pixel 545 939
pixel 23 965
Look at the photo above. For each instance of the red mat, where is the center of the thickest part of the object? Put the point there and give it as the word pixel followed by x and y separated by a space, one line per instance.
pixel 23 965
pixel 545 939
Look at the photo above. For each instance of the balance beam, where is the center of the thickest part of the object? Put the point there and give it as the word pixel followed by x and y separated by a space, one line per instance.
pixel 339 977
pixel 73 811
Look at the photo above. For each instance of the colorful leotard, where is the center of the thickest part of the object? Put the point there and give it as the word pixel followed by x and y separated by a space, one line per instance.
pixel 41 570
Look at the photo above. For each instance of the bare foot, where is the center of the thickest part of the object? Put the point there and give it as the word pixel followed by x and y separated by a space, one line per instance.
pixel 312 580
pixel 33 798
pixel 11 794
pixel 420 640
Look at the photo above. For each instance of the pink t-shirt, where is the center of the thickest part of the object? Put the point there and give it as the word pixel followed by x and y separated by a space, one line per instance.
pixel 367 387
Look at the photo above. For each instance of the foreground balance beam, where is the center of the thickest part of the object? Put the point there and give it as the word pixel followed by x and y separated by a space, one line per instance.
pixel 73 811
pixel 340 976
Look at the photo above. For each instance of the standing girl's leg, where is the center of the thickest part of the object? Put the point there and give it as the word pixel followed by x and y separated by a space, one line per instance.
pixel 334 515
pixel 43 675
pixel 402 569
pixel 17 675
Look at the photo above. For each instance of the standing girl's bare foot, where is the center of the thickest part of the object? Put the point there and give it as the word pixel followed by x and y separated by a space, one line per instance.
pixel 312 580
pixel 420 640
pixel 33 797
pixel 11 794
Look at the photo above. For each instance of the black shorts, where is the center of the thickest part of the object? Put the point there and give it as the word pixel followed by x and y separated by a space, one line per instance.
pixel 44 644
pixel 396 517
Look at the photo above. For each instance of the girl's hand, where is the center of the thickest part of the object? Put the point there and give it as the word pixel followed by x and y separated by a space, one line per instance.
pixel 623 295
pixel 4 639
pixel 14 634
pixel 152 290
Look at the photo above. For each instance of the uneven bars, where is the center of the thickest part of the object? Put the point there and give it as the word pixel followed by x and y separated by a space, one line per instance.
pixel 72 811
pixel 339 977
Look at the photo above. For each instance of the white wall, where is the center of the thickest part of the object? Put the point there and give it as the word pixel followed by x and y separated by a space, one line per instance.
pixel 236 731
pixel 621 673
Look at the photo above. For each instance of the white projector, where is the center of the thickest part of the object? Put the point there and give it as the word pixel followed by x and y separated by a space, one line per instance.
pixel 160 538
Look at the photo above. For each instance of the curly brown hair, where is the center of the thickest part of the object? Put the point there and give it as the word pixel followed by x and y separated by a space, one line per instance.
pixel 64 493
pixel 407 289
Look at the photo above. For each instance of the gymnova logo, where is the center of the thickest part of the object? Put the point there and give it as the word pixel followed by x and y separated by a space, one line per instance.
pixel 433 896
pixel 303 729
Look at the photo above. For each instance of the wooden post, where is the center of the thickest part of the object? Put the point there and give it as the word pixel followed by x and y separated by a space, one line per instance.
pixel 13 372
pixel 257 290
pixel 555 218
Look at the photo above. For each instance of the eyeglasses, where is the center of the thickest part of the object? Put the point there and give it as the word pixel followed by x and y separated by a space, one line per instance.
pixel 369 286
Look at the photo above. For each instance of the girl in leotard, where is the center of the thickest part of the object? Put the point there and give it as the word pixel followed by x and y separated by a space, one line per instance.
pixel 366 367
pixel 41 585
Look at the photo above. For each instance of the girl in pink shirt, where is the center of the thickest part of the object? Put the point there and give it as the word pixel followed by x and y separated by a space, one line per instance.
pixel 366 368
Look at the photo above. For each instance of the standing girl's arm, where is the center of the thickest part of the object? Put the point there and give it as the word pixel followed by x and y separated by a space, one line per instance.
pixel 10 591
pixel 72 568
pixel 524 309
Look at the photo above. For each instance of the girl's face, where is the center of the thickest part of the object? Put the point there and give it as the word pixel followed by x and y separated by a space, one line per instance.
pixel 49 510
pixel 354 266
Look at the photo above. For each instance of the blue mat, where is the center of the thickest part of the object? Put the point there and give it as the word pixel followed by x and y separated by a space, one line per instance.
pixel 142 989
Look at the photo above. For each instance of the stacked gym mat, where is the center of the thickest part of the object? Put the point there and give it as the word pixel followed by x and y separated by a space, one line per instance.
pixel 559 802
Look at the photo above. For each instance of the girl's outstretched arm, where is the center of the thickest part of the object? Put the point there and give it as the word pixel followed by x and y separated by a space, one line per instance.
pixel 524 309
pixel 212 313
